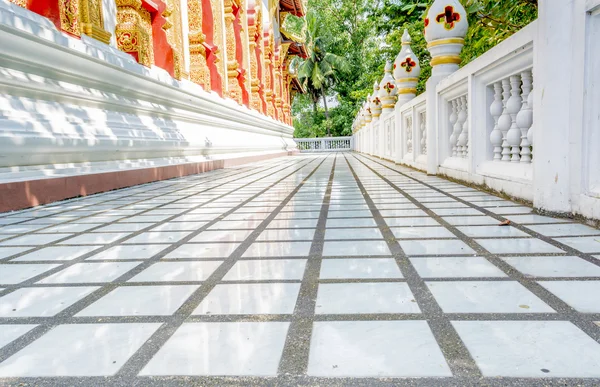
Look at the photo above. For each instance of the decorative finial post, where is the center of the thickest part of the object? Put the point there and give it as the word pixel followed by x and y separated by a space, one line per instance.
pixel 388 90
pixel 367 107
pixel 445 29
pixel 375 102
pixel 406 71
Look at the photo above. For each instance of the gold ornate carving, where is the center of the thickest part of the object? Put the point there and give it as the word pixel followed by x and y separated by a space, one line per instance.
pixel 233 86
pixel 217 10
pixel 92 21
pixel 134 31
pixel 174 35
pixel 69 16
pixel 20 3
pixel 199 71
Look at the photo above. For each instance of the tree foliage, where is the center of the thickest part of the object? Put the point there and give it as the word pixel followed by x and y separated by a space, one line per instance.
pixel 368 32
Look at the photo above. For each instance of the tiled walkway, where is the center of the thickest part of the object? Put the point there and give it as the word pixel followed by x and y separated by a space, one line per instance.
pixel 331 269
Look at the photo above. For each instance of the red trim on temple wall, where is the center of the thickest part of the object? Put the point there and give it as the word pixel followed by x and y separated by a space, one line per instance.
pixel 211 49
pixel 46 8
pixel 239 55
pixel 163 52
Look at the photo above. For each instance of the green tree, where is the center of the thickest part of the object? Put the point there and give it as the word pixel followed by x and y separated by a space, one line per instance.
pixel 322 69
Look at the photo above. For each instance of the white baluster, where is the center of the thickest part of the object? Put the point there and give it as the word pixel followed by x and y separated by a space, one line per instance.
pixel 460 124
pixel 463 139
pixel 453 119
pixel 409 135
pixel 423 134
pixel 530 131
pixel 496 111
pixel 513 106
pixel 504 121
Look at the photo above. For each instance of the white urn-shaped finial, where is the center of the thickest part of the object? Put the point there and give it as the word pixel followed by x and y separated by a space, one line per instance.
pixel 367 108
pixel 445 29
pixel 388 89
pixel 375 102
pixel 406 71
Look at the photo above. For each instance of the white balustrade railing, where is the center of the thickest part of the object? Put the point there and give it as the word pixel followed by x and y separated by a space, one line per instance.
pixel 325 144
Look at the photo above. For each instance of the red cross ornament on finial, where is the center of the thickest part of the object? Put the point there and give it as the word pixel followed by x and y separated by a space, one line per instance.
pixel 377 101
pixel 448 17
pixel 388 87
pixel 408 64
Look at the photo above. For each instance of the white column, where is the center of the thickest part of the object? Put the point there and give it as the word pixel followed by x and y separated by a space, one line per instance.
pixel 185 29
pixel 109 13
pixel 558 101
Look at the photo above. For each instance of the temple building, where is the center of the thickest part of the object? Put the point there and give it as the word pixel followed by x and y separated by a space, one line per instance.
pixel 163 87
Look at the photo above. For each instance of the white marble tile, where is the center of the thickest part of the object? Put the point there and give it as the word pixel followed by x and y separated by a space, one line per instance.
pixel 180 226
pixel 291 234
pixel 79 350
pixel 492 231
pixel 41 302
pixel 57 253
pixel 227 348
pixel 353 233
pixel 9 333
pixel 580 295
pixel 365 298
pixel 277 249
pixel 358 222
pixel 421 232
pixel 14 274
pixel 455 267
pixel 177 272
pixel 375 349
pixel 273 269
pixel 158 237
pixel 554 266
pixel 435 247
pixel 528 349
pixel 518 246
pixel 123 227
pixel 128 252
pixel 33 239
pixel 564 229
pixel 486 297
pixel 6 252
pixel 203 250
pixel 584 244
pixel 532 219
pixel 222 236
pixel 89 272
pixel 157 300
pixel 293 223
pixel 471 220
pixel 364 268
pixel 354 248
pixel 271 298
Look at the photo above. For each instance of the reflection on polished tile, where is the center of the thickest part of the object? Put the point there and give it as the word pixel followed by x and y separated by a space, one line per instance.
pixel 260 270
pixel 272 298
pixel 56 253
pixel 229 348
pixel 353 233
pixel 435 247
pixel 360 268
pixel 277 249
pixel 339 249
pixel 492 231
pixel 203 250
pixel 79 350
pixel 9 333
pixel 375 349
pixel 89 272
pixel 236 225
pixel 361 298
pixel 222 236
pixel 486 297
pixel 583 244
pixel 554 266
pixel 177 272
pixel 128 252
pixel 455 267
pixel 421 232
pixel 180 226
pixel 140 301
pixel 158 237
pixel 347 222
pixel 518 246
pixel 14 274
pixel 580 295
pixel 527 349
pixel 41 302
pixel 292 234
pixel 293 223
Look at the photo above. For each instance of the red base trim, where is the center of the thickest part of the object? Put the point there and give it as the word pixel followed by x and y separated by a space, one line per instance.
pixel 25 194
